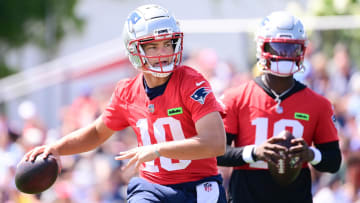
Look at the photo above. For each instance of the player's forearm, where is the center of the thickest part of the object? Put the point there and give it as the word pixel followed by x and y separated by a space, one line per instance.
pixel 232 157
pixel 192 148
pixel 331 157
pixel 82 140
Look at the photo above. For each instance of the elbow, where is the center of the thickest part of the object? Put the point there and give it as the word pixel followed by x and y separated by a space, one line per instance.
pixel 213 149
pixel 221 149
pixel 330 164
pixel 216 151
pixel 337 158
pixel 218 148
pixel 334 169
pixel 213 143
pixel 337 164
pixel 222 145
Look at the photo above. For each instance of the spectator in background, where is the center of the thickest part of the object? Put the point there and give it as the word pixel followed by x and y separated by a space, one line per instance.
pixel 347 192
pixel 216 71
pixel 82 111
pixel 11 152
pixel 353 112
pixel 34 131
pixel 84 108
pixel 320 81
pixel 341 69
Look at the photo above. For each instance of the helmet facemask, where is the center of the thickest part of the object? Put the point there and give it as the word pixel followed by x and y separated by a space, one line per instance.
pixel 161 69
pixel 281 56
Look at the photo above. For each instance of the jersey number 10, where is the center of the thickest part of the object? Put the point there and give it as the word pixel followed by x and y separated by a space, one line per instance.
pixel 159 134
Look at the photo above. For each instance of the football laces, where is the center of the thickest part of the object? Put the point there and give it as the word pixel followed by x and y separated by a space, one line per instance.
pixel 281 164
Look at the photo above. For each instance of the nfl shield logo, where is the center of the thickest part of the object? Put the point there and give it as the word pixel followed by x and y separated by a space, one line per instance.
pixel 207 187
pixel 151 108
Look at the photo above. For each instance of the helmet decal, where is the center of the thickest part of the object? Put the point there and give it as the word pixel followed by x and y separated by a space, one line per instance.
pixel 134 18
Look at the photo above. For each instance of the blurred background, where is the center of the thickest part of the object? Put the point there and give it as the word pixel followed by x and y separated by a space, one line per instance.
pixel 60 60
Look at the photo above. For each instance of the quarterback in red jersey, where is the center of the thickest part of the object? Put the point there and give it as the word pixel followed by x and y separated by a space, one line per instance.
pixel 173 112
pixel 260 110
pixel 167 117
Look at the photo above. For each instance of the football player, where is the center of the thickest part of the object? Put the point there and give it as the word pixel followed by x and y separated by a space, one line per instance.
pixel 173 112
pixel 259 110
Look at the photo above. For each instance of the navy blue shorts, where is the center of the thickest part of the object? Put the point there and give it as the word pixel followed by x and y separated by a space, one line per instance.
pixel 209 190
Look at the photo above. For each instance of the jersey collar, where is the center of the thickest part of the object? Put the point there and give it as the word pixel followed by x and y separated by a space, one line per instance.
pixel 298 87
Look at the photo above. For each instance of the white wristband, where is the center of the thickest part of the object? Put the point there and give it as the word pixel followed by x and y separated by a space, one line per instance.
pixel 317 156
pixel 247 154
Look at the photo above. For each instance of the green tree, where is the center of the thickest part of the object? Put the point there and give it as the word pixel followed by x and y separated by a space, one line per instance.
pixel 40 22
pixel 349 37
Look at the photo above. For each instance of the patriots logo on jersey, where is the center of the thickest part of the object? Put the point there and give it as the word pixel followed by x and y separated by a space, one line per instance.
pixel 200 94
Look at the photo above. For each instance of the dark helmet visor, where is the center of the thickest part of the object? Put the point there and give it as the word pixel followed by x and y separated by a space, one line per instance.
pixel 288 50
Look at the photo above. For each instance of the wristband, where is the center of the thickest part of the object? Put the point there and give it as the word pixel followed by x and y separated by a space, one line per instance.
pixel 247 154
pixel 253 154
pixel 317 156
pixel 157 153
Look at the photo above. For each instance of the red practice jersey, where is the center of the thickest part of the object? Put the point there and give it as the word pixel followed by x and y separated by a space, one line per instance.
pixel 170 116
pixel 251 114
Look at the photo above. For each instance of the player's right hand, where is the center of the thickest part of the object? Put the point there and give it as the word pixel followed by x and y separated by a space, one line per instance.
pixel 138 155
pixel 269 151
pixel 44 151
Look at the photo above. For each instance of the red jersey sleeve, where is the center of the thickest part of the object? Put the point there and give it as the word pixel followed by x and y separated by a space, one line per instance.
pixel 325 129
pixel 114 115
pixel 198 96
pixel 230 107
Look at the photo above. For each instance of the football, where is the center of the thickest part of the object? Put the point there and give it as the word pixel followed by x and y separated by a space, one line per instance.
pixel 36 176
pixel 284 172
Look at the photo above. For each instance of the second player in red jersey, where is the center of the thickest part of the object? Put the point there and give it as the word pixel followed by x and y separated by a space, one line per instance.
pixel 258 112
pixel 254 115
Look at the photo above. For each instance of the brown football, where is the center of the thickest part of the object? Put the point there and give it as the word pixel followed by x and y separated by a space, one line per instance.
pixel 37 176
pixel 284 172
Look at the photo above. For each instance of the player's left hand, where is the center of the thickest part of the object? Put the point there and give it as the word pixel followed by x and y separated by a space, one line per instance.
pixel 300 152
pixel 138 156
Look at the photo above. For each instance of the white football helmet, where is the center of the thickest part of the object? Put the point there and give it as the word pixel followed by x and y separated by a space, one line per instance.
pixel 147 24
pixel 281 44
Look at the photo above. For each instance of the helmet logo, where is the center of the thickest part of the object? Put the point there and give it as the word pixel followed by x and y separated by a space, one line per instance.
pixel 134 18
pixel 264 22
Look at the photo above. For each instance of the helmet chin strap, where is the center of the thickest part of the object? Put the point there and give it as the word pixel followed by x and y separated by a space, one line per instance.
pixel 169 68
pixel 280 68
pixel 283 68
pixel 158 75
